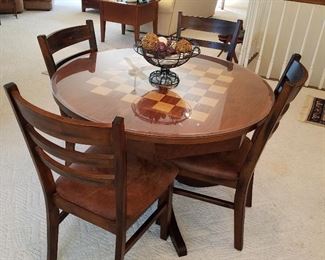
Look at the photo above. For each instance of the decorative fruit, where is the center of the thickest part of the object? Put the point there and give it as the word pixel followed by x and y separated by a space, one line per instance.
pixel 161 47
pixel 150 41
pixel 163 39
pixel 183 46
pixel 170 50
pixel 161 50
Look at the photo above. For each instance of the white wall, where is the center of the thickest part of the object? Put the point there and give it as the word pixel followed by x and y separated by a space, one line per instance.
pixel 318 69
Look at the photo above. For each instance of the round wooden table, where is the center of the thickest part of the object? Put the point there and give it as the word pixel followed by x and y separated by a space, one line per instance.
pixel 211 110
pixel 216 102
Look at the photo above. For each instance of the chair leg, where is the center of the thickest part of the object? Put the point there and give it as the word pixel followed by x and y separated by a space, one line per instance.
pixel 120 246
pixel 250 193
pixel 165 217
pixel 235 57
pixel 15 10
pixel 52 232
pixel 239 218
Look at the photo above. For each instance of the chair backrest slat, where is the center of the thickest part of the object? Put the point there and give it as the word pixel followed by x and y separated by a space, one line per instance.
pixel 213 25
pixel 70 130
pixel 61 62
pixel 63 38
pixel 208 25
pixel 209 44
pixel 289 86
pixel 93 177
pixel 105 161
pixel 104 164
pixel 67 37
pixel 289 72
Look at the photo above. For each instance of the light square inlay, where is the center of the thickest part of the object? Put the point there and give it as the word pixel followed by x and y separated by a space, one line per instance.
pixel 124 88
pixel 164 107
pixel 154 95
pixel 96 81
pixel 226 79
pixel 199 116
pixel 207 80
pixel 101 91
pixel 130 98
pixel 181 103
pixel 197 91
pixel 209 101
pixel 218 89
pixel 197 73
pixel 188 83
pixel 214 71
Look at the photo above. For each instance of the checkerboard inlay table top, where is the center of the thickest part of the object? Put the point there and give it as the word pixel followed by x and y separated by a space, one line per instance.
pixel 212 100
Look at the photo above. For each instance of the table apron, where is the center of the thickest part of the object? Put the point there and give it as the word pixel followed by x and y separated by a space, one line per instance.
pixel 155 151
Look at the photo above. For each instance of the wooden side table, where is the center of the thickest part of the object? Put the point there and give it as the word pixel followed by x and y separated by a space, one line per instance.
pixel 128 13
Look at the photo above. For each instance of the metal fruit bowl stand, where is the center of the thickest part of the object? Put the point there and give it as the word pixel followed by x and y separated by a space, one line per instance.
pixel 165 78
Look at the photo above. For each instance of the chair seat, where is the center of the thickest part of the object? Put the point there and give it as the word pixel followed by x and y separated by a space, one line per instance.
pixel 220 166
pixel 145 183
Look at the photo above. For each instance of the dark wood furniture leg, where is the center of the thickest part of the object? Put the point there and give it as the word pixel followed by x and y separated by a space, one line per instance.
pixel 123 28
pixel 176 237
pixel 136 32
pixel 155 25
pixel 250 193
pixel 53 218
pixel 165 218
pixel 155 21
pixel 102 30
pixel 15 9
pixel 89 4
pixel 235 58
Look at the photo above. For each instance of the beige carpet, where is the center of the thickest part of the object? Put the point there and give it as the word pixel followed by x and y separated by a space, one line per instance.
pixel 287 220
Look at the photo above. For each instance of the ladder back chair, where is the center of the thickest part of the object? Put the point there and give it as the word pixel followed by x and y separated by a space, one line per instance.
pixel 226 39
pixel 61 39
pixel 235 169
pixel 213 25
pixel 102 185
pixel 64 38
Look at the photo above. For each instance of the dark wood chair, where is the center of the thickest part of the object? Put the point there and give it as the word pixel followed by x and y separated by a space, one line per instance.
pixel 63 38
pixel 102 185
pixel 227 40
pixel 235 169
pixel 218 26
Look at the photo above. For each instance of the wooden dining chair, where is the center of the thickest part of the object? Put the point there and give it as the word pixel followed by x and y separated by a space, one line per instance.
pixel 218 26
pixel 227 40
pixel 235 169
pixel 103 185
pixel 64 38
